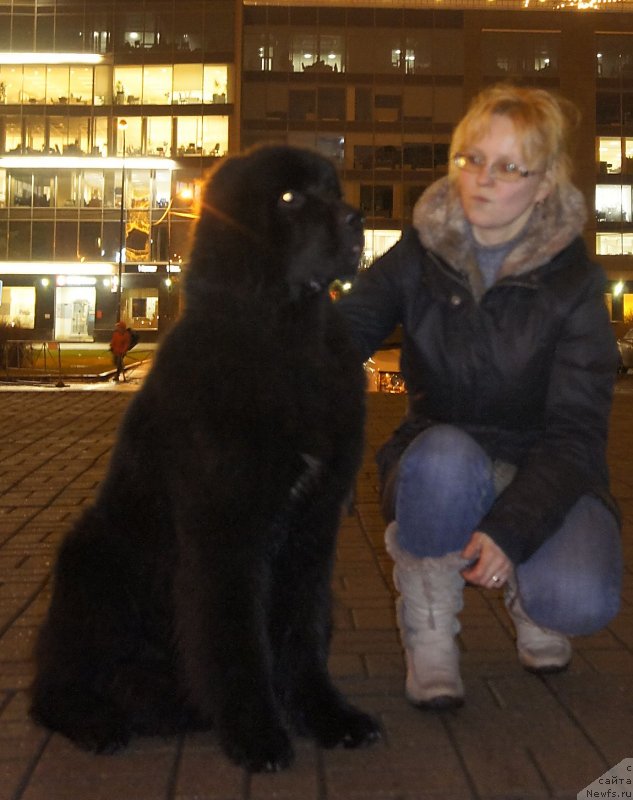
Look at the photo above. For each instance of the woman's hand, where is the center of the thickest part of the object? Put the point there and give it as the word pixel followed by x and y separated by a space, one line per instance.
pixel 491 567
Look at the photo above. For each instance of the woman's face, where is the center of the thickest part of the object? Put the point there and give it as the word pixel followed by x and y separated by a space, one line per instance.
pixel 496 209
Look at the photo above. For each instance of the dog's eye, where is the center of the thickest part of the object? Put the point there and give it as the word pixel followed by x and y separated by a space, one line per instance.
pixel 291 198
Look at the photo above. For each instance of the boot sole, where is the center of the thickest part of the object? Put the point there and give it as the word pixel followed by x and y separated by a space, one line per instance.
pixel 547 669
pixel 444 702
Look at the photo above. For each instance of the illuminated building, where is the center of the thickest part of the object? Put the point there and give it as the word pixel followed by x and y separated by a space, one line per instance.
pixel 377 85
pixel 70 73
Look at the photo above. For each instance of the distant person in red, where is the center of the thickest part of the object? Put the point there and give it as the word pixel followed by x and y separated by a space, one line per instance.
pixel 119 345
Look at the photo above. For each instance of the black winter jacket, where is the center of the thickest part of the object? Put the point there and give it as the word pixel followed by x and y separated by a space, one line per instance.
pixel 526 367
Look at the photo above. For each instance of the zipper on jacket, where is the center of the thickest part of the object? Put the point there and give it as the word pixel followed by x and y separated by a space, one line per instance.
pixel 456 275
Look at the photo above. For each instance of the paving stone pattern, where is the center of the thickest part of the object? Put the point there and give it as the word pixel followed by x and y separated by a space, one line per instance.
pixel 518 737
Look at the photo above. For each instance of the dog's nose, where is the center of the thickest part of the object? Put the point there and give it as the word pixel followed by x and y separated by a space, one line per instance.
pixel 352 217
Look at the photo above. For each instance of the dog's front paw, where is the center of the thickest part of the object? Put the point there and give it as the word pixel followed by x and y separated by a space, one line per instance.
pixel 348 727
pixel 259 750
pixel 105 739
pixel 361 730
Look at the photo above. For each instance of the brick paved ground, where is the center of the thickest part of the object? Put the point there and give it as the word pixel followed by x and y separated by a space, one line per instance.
pixel 517 737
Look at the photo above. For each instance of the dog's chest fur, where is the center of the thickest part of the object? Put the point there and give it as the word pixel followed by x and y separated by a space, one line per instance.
pixel 294 372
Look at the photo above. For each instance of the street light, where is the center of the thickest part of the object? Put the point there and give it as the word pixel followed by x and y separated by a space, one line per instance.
pixel 122 125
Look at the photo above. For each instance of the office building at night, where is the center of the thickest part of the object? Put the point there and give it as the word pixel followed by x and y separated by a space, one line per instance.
pixel 112 111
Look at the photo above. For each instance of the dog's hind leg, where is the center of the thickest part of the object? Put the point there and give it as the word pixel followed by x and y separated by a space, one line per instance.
pixel 81 715
pixel 89 629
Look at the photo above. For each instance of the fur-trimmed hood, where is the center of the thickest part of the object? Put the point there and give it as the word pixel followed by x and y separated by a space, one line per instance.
pixel 442 228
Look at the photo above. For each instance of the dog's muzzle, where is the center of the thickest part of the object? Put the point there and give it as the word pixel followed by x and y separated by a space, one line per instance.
pixel 353 236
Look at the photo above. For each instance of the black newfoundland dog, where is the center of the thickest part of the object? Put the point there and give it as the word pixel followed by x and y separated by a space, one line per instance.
pixel 195 592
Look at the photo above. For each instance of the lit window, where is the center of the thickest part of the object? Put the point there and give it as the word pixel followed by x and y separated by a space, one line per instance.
pixel 609 244
pixel 18 306
pixel 610 155
pixel 613 203
pixel 378 242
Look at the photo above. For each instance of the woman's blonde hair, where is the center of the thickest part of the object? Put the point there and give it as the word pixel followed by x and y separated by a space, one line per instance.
pixel 542 121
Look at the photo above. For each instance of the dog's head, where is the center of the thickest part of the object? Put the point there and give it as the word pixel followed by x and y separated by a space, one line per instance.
pixel 275 217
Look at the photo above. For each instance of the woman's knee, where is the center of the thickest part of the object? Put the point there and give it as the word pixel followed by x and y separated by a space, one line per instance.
pixel 577 605
pixel 443 454
pixel 442 489
pixel 573 582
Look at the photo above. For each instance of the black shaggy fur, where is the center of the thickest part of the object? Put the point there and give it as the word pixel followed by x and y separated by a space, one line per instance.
pixel 196 590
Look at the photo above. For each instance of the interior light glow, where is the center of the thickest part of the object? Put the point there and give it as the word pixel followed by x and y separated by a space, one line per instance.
pixel 76 280
pixel 84 162
pixel 51 58
pixel 56 268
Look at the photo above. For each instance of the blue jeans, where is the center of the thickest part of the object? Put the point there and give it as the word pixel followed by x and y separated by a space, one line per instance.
pixel 445 485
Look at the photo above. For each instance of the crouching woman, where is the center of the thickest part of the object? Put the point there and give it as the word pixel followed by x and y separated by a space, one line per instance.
pixel 498 474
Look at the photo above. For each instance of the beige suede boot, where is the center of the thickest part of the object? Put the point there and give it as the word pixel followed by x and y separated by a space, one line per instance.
pixel 431 596
pixel 540 650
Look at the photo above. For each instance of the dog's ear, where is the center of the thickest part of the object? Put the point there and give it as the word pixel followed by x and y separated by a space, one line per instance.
pixel 233 224
pixel 223 190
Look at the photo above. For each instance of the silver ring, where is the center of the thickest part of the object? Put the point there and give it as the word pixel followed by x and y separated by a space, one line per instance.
pixel 495 579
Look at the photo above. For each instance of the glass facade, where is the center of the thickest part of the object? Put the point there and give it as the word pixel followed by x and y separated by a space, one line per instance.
pixel 111 113
pixel 507 53
pixel 614 127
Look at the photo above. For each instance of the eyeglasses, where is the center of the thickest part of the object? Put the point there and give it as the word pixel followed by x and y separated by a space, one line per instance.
pixel 503 170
